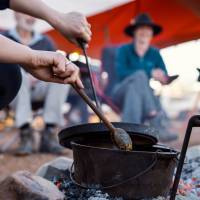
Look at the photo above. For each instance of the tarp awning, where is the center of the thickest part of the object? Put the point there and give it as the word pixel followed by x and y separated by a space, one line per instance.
pixel 179 18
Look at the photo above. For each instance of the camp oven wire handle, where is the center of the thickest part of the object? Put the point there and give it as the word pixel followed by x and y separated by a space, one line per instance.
pixel 194 121
pixel 153 163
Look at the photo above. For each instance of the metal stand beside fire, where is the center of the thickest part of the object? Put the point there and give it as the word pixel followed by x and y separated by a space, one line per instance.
pixel 193 122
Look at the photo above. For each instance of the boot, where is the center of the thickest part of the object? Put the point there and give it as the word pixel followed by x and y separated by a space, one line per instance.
pixel 26 142
pixel 49 142
pixel 164 134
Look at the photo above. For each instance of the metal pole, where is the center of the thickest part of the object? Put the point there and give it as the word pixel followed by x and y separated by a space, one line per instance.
pixel 193 122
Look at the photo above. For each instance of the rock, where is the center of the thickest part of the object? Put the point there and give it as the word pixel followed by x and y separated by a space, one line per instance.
pixel 54 168
pixel 23 185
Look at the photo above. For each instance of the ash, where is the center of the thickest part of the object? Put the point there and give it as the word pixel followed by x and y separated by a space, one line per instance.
pixel 190 182
pixel 73 192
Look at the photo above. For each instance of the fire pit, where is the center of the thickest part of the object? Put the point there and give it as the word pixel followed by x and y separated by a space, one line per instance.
pixel 95 150
pixel 130 175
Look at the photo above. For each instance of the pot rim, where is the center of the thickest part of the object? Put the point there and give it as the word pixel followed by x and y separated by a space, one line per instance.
pixel 172 153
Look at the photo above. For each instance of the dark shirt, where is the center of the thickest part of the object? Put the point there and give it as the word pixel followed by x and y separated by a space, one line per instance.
pixel 128 62
pixel 4 4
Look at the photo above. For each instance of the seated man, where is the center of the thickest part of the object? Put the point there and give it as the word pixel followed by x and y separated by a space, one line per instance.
pixel 136 63
pixel 53 94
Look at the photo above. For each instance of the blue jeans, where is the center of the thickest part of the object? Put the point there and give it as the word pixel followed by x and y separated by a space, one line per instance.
pixel 135 97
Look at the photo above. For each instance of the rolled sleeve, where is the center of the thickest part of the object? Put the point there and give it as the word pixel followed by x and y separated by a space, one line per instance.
pixel 4 4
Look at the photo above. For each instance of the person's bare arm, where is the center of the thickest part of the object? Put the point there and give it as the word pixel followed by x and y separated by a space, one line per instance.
pixel 44 65
pixel 35 8
pixel 72 25
pixel 12 52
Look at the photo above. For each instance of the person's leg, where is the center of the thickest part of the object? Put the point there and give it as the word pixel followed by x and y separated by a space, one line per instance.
pixel 139 103
pixel 128 96
pixel 84 111
pixel 153 111
pixel 132 106
pixel 23 115
pixel 158 102
pixel 152 108
pixel 22 102
pixel 56 96
pixel 149 106
pixel 39 92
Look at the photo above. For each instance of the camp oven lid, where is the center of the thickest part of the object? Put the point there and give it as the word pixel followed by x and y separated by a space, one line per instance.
pixel 140 134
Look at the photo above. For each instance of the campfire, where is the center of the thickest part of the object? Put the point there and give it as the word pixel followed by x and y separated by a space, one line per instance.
pixel 190 182
pixel 136 174
pixel 72 191
pixel 189 187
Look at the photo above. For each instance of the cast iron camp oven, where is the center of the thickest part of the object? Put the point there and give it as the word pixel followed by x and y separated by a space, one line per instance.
pixel 145 172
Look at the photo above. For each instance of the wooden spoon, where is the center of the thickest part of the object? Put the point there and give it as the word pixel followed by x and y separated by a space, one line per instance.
pixel 119 136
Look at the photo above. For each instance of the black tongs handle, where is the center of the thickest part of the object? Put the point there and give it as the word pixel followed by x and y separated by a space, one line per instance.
pixel 83 45
pixel 193 122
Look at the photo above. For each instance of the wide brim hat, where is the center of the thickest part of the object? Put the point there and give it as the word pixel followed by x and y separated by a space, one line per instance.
pixel 10 82
pixel 142 20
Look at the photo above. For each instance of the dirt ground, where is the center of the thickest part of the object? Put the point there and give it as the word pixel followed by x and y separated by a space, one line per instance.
pixel 10 163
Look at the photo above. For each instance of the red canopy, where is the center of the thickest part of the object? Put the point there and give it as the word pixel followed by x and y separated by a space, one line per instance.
pixel 179 18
